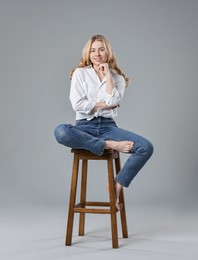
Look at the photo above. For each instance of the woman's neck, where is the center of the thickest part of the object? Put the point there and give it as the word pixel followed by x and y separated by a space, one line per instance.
pixel 98 72
pixel 96 68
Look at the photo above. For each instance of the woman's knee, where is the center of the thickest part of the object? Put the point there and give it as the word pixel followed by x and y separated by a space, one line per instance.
pixel 149 149
pixel 60 132
pixel 146 148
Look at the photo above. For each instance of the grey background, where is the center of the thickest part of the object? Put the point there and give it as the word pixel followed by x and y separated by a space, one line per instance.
pixel 155 43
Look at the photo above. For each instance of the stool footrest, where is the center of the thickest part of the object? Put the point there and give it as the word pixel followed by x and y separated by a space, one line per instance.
pixel 92 210
pixel 81 208
pixel 97 203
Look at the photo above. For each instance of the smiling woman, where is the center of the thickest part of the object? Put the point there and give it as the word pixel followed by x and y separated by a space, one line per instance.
pixel 97 89
pixel 104 46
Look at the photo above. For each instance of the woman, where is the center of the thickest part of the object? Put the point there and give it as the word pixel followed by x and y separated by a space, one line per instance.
pixel 97 89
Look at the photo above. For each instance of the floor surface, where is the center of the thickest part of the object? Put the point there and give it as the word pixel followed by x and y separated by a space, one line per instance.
pixel 161 233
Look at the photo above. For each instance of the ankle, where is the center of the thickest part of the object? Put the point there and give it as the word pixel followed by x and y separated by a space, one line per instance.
pixel 118 187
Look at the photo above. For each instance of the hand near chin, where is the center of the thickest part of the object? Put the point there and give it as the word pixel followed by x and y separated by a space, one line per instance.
pixel 104 67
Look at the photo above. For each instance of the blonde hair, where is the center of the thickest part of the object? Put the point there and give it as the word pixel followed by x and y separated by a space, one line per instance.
pixel 85 61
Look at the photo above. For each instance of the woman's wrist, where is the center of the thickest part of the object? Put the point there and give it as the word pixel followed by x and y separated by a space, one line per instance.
pixel 100 105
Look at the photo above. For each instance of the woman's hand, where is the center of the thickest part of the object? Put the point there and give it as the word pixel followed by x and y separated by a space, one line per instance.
pixel 102 105
pixel 104 68
pixel 105 71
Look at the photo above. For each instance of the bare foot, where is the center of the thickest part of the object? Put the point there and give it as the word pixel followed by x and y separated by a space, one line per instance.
pixel 122 146
pixel 118 188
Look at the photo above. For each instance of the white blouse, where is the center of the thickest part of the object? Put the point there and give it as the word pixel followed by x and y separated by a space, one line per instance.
pixel 87 89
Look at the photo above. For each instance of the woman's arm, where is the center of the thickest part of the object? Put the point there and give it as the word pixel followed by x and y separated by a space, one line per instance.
pixel 102 105
pixel 78 97
pixel 104 68
pixel 115 87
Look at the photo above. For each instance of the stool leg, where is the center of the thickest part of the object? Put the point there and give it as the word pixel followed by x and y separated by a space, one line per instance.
pixel 83 197
pixel 122 201
pixel 70 220
pixel 114 230
pixel 123 216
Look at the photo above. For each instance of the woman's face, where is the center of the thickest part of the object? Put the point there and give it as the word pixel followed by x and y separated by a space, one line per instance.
pixel 98 53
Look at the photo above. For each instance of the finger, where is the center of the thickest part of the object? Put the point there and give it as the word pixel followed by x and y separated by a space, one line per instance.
pixel 102 67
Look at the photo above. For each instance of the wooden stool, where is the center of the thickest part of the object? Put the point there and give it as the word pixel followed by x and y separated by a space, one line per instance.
pixel 95 207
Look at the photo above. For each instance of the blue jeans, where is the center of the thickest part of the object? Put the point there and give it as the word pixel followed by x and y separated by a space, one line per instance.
pixel 91 135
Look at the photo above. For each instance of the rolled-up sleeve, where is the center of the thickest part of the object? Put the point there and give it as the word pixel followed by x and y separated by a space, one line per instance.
pixel 118 92
pixel 78 97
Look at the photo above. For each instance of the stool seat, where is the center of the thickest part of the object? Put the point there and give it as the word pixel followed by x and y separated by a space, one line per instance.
pixel 95 207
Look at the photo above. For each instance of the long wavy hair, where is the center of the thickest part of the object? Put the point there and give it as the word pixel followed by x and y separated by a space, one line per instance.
pixel 85 61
